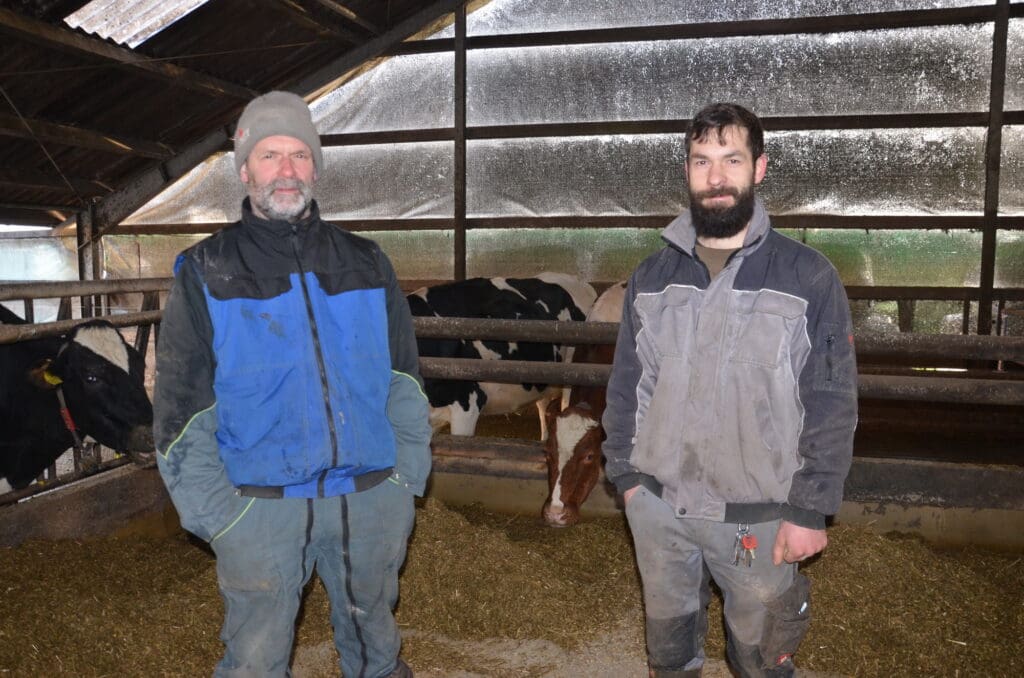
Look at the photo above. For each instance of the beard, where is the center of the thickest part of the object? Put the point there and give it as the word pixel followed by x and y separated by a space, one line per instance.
pixel 723 222
pixel 280 207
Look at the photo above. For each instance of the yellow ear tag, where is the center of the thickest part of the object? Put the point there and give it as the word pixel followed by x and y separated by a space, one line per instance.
pixel 51 378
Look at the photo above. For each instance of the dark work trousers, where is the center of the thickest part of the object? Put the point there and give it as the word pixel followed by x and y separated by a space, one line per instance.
pixel 356 543
pixel 676 558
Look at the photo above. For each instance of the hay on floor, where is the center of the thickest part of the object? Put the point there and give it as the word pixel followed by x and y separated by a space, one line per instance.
pixel 884 605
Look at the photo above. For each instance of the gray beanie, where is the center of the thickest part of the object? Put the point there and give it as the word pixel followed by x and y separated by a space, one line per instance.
pixel 272 114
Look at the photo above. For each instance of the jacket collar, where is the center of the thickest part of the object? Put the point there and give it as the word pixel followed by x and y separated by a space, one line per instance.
pixel 276 226
pixel 681 234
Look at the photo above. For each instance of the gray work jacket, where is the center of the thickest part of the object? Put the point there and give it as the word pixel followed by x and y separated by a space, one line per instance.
pixel 735 399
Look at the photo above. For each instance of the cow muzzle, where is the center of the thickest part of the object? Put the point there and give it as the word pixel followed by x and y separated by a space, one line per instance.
pixel 562 516
pixel 140 446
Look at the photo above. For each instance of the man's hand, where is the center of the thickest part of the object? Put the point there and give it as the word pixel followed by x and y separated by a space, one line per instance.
pixel 629 493
pixel 794 543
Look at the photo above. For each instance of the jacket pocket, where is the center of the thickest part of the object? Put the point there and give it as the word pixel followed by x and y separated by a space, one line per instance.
pixel 764 322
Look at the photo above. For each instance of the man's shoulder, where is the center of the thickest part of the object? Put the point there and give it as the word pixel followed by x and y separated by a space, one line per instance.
pixel 797 255
pixel 213 242
pixel 348 238
pixel 201 251
pixel 663 266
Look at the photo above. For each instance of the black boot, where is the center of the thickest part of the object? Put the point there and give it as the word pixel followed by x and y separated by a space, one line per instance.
pixel 674 673
pixel 402 670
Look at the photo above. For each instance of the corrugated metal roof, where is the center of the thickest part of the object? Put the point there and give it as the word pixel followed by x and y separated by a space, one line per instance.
pixel 130 22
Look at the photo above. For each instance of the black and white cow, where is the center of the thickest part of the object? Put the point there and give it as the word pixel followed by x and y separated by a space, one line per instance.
pixel 549 296
pixel 101 378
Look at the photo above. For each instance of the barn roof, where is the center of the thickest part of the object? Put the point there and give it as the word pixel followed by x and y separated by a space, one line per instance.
pixel 90 121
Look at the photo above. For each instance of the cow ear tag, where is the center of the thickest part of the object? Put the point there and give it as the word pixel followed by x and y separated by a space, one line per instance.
pixel 42 377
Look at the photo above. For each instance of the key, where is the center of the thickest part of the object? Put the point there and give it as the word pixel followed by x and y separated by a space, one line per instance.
pixel 749 543
pixel 739 549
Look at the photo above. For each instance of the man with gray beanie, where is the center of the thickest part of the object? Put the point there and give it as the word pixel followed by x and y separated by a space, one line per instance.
pixel 289 412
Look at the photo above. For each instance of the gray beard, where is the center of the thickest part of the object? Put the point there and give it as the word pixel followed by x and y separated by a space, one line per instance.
pixel 725 222
pixel 262 198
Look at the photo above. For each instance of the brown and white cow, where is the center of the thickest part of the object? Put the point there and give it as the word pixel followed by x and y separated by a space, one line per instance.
pixel 548 296
pixel 573 447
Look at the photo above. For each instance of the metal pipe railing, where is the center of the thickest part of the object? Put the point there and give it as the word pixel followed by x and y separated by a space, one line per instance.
pixel 924 388
pixel 10 334
pixel 75 288
pixel 913 346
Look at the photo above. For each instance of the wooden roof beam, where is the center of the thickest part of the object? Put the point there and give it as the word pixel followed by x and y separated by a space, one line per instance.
pixel 22 179
pixel 374 48
pixel 343 11
pixel 69 41
pixel 302 17
pixel 13 126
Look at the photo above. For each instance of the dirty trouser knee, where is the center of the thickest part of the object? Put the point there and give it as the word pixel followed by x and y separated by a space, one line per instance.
pixel 675 584
pixel 359 568
pixel 260 575
pixel 767 606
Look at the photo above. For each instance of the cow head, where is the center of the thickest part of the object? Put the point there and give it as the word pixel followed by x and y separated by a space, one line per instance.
pixel 102 380
pixel 573 451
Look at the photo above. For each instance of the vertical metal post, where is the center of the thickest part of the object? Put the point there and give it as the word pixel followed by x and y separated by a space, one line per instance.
pixel 993 152
pixel 459 272
pixel 86 252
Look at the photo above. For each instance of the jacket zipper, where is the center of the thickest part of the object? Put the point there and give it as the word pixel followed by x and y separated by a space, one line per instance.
pixel 319 361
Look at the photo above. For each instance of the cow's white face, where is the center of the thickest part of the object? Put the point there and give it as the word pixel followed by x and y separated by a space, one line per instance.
pixel 104 342
pixel 569 433
pixel 102 382
pixel 573 456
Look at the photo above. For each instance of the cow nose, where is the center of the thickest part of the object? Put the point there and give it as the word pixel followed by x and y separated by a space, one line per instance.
pixel 561 517
pixel 140 439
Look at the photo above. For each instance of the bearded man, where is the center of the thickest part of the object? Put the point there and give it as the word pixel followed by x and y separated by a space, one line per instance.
pixel 290 417
pixel 731 410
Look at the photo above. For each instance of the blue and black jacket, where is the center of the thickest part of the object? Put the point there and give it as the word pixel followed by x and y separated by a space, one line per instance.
pixel 286 367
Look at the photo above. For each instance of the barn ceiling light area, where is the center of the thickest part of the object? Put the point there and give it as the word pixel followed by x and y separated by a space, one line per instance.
pixel 129 22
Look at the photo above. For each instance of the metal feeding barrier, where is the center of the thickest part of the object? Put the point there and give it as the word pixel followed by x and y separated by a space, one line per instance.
pixel 929 386
pixel 984 383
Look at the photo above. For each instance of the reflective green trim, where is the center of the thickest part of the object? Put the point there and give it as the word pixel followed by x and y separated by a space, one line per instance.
pixel 418 387
pixel 174 442
pixel 233 522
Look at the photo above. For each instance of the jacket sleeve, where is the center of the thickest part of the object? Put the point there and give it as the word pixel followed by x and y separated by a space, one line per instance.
pixel 184 413
pixel 626 385
pixel 828 391
pixel 408 408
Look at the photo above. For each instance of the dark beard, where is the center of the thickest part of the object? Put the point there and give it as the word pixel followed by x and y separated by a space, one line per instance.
pixel 725 222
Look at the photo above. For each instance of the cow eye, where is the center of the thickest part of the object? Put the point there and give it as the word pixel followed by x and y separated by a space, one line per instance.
pixel 91 378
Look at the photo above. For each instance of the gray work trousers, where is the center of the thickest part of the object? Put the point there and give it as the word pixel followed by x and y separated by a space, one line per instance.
pixel 766 606
pixel 356 543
